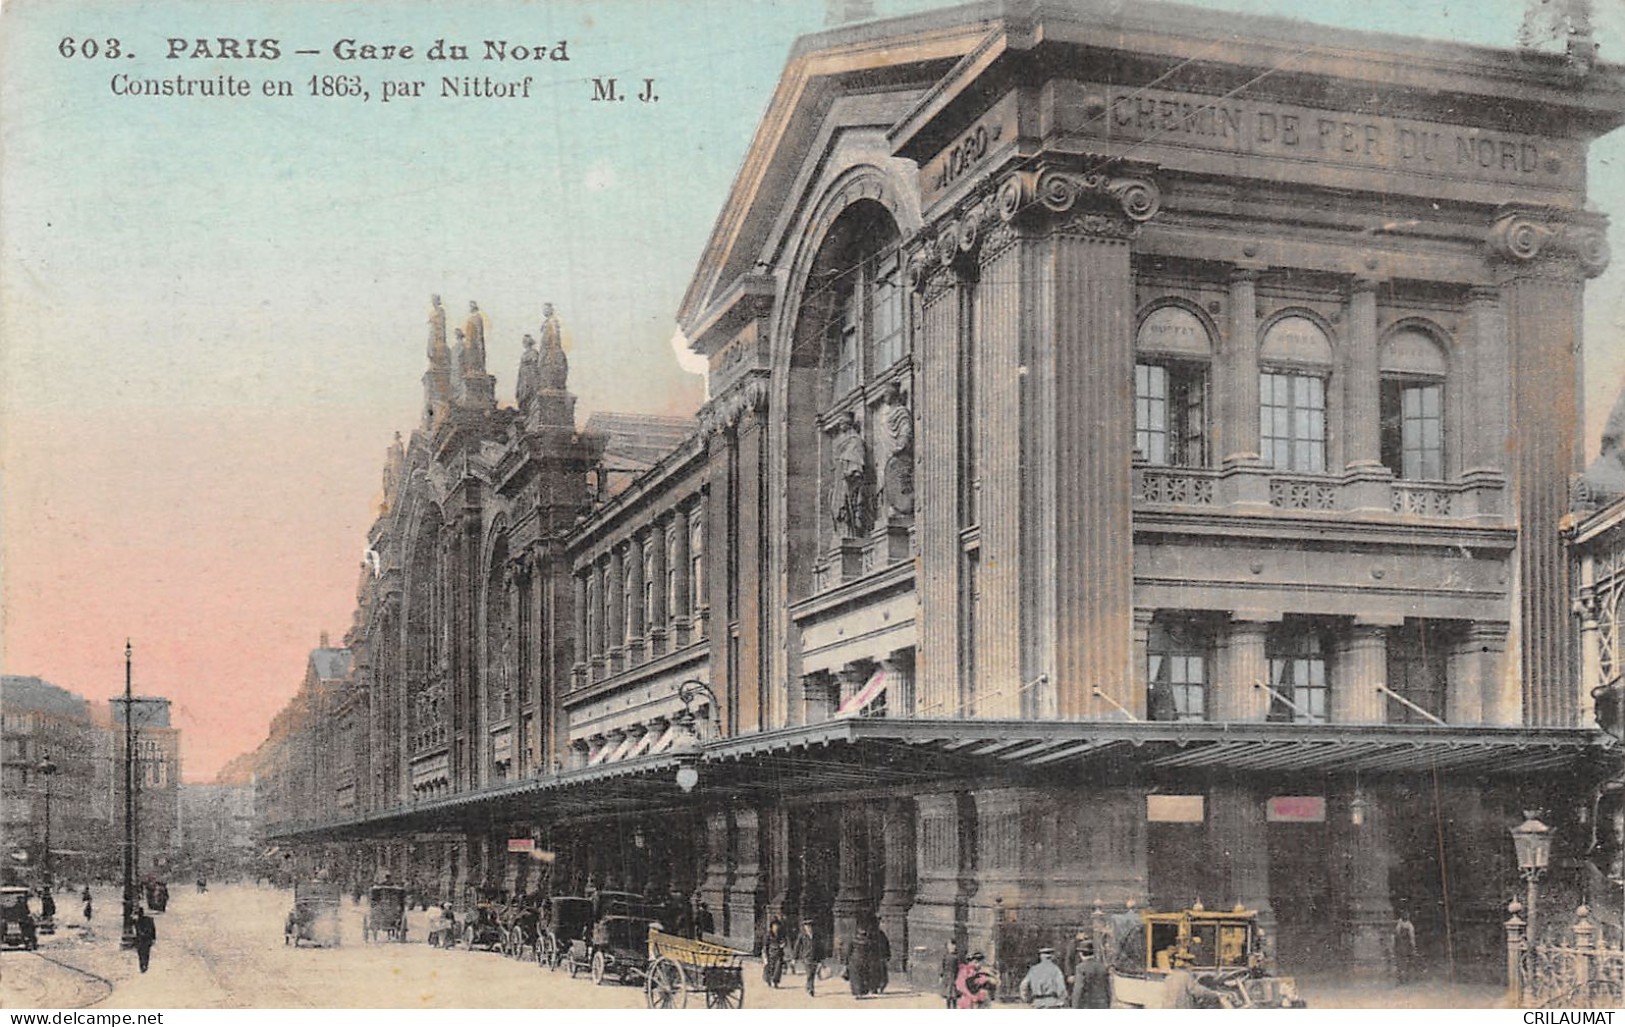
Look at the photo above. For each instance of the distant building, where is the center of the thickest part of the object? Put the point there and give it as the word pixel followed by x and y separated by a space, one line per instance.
pixel 39 720
pixel 157 780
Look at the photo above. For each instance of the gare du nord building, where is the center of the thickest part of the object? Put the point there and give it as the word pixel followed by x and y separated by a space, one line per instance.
pixel 1134 472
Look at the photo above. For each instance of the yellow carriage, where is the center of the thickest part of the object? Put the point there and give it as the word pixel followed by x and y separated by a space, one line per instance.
pixel 680 967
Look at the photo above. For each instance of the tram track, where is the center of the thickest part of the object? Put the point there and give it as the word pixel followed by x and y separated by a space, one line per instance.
pixel 92 986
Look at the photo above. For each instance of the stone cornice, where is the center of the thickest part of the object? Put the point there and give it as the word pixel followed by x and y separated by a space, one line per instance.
pixel 748 394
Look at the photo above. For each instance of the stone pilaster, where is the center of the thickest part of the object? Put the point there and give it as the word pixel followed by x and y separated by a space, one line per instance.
pixel 658 615
pixel 1364 859
pixel 1362 665
pixel 1542 258
pixel 1242 665
pixel 1237 435
pixel 783 890
pixel 901 700
pixel 819 691
pixel 941 450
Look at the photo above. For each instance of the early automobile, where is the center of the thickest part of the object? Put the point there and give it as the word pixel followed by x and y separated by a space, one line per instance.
pixel 620 949
pixel 570 920
pixel 1223 951
pixel 481 929
pixel 385 919
pixel 315 914
pixel 18 929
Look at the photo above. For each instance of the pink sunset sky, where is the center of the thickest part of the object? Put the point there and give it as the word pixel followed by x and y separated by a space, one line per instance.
pixel 213 313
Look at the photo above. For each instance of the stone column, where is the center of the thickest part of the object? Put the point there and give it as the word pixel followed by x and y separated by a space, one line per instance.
pixel 658 615
pixel 1142 663
pixel 718 867
pixel 1362 665
pixel 852 890
pixel 682 616
pixel 1590 642
pixel 583 643
pixel 898 896
pixel 1242 665
pixel 938 913
pixel 636 614
pixel 1478 690
pixel 1487 440
pixel 1363 868
pixel 1237 435
pixel 1362 419
pixel 1239 836
pixel 900 697
pixel 1542 258
pixel 745 889
pixel 615 611
pixel 782 893
pixel 819 692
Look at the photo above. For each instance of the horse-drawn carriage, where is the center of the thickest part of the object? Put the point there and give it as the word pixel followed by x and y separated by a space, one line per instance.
pixel 1223 951
pixel 315 914
pixel 18 927
pixel 679 967
pixel 385 919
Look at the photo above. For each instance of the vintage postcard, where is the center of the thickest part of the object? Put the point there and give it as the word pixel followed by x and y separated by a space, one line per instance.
pixel 821 504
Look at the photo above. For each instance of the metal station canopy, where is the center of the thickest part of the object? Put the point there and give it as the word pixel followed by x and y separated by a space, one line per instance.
pixel 852 753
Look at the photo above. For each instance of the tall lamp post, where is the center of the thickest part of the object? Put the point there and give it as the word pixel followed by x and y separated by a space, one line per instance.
pixel 47 770
pixel 127 937
pixel 1532 841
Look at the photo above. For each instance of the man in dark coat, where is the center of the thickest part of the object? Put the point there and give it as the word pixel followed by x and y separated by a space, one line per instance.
pixel 859 958
pixel 1091 984
pixel 950 974
pixel 146 932
pixel 812 951
pixel 773 952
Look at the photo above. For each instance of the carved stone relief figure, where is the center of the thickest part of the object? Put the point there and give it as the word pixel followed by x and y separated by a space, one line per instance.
pixel 530 377
pixel 895 471
pixel 851 497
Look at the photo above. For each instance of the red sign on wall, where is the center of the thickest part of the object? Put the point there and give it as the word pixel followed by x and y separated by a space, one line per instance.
pixel 521 844
pixel 1297 809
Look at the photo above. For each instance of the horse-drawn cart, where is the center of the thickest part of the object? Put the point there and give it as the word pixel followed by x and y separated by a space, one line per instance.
pixel 680 967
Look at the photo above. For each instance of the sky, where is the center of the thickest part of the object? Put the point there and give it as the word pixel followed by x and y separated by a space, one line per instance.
pixel 212 311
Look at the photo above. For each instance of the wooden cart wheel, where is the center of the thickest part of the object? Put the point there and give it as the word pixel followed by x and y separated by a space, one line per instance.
pixel 600 968
pixel 725 994
pixel 666 987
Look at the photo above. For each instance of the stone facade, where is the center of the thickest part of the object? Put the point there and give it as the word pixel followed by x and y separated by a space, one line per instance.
pixel 1134 474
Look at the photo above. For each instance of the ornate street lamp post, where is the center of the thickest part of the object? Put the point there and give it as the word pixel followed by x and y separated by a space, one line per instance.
pixel 688 745
pixel 47 770
pixel 127 938
pixel 1532 841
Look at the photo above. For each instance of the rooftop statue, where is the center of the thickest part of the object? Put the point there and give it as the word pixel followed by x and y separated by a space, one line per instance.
pixel 530 376
pixel 438 354
pixel 555 368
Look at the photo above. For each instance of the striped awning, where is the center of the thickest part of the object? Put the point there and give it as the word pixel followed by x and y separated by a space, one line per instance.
pixel 665 741
pixel 644 742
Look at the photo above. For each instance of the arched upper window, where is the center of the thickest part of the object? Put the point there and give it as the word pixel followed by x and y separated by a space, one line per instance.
pixel 1173 349
pixel 858 285
pixel 1295 358
pixel 1414 369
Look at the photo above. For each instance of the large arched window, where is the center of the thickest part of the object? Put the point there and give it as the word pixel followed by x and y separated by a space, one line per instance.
pixel 1173 350
pixel 858 288
pixel 1295 360
pixel 1414 369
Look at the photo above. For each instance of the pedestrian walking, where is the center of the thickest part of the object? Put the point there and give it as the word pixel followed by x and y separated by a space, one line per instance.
pixel 859 959
pixel 881 956
pixel 1044 987
pixel 773 952
pixel 973 987
pixel 146 933
pixel 1091 984
pixel 948 978
pixel 1404 947
pixel 811 950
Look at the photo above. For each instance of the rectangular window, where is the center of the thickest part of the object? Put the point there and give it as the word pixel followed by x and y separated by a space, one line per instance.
pixel 696 561
pixel 1170 414
pixel 1412 418
pixel 844 342
pixel 1176 671
pixel 1418 667
pixel 1292 421
pixel 1298 671
pixel 886 313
